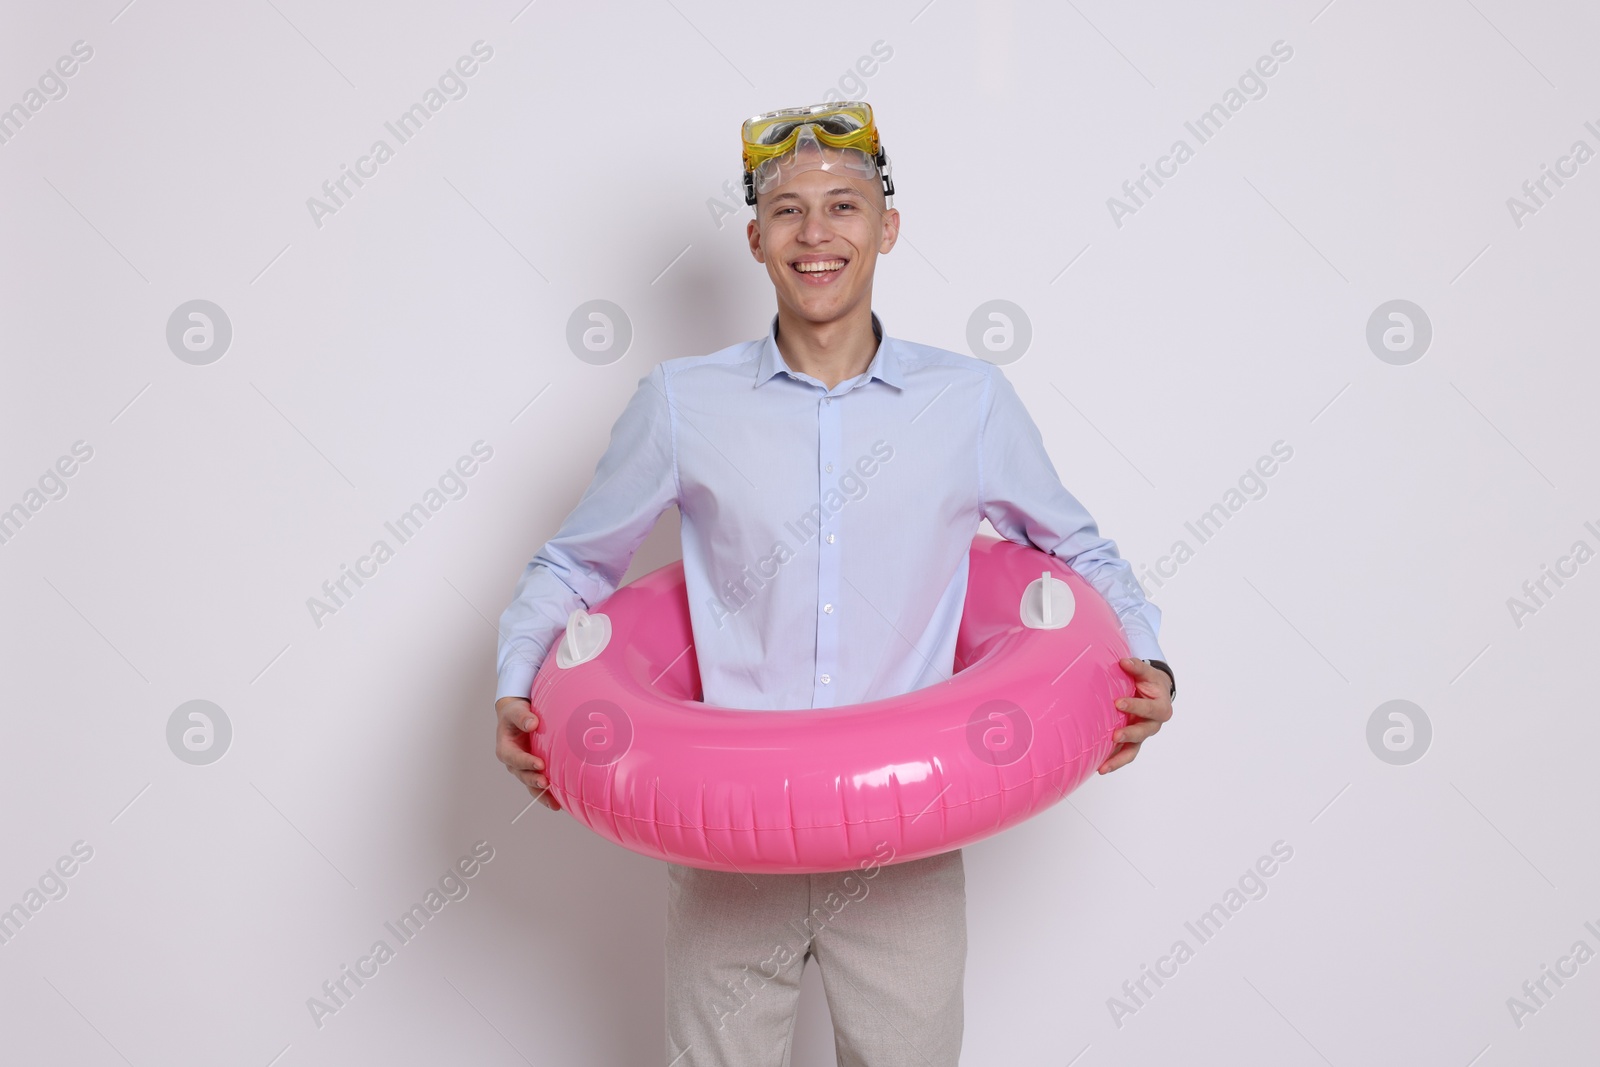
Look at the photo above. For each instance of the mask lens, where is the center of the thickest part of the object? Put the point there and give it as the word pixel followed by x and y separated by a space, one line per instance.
pixel 783 143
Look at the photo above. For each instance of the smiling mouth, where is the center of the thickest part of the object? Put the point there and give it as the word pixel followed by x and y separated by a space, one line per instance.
pixel 818 272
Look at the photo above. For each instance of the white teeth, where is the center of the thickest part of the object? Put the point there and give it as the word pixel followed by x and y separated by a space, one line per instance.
pixel 813 268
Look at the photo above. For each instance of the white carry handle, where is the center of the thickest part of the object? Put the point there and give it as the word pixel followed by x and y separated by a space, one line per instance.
pixel 1047 603
pixel 587 636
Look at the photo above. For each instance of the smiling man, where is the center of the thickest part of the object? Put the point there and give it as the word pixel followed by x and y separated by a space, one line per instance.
pixel 820 227
pixel 758 445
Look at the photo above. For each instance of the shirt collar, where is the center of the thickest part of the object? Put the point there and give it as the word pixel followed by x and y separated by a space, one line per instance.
pixel 885 365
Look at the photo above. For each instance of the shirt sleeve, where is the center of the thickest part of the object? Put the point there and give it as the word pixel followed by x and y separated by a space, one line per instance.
pixel 634 482
pixel 1023 498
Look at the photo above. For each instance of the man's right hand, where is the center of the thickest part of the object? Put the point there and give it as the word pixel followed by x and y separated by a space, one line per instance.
pixel 516 722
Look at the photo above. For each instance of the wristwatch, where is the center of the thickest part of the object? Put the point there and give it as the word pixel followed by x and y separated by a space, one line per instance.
pixel 1160 666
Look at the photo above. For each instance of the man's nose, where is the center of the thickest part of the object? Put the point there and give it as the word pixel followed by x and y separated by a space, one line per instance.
pixel 817 229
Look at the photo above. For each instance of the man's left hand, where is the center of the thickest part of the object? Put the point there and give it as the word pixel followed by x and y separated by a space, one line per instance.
pixel 1149 707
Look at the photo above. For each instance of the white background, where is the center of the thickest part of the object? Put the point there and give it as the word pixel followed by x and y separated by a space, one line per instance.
pixel 1168 354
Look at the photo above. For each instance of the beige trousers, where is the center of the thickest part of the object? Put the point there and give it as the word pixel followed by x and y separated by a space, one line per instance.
pixel 891 941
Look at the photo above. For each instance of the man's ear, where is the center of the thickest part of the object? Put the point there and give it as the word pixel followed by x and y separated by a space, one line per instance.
pixel 752 233
pixel 891 230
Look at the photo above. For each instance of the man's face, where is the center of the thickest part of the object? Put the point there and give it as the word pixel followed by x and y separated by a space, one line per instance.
pixel 820 235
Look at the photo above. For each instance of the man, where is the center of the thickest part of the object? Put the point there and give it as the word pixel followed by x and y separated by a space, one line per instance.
pixel 862 587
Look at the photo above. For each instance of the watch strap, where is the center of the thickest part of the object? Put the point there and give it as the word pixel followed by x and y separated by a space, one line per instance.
pixel 1161 666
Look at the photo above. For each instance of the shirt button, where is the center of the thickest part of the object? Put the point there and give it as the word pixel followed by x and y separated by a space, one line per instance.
pixel 829 468
pixel 826 679
pixel 828 608
pixel 830 539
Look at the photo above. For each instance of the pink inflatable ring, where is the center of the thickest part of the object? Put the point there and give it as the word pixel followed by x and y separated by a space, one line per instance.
pixel 1029 714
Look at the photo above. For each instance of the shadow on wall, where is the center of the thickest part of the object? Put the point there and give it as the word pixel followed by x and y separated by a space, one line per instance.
pixel 570 925
pixel 716 297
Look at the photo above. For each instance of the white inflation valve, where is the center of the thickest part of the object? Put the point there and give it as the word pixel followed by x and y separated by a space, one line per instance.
pixel 587 636
pixel 1047 603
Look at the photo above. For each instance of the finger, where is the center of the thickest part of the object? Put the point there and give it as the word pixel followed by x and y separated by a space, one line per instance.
pixel 1135 733
pixel 1158 709
pixel 532 779
pixel 1121 757
pixel 517 759
pixel 510 752
pixel 519 715
pixel 522 720
pixel 1149 680
pixel 543 795
pixel 1139 669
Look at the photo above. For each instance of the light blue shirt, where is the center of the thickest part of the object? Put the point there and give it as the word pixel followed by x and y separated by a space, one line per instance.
pixel 825 532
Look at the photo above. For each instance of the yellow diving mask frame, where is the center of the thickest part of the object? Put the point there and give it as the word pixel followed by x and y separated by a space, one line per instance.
pixel 781 143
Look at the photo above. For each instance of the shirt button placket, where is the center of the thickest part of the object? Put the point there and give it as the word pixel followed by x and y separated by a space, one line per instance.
pixel 828 441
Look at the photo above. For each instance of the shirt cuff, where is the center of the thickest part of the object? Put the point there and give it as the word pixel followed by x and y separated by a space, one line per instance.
pixel 1143 646
pixel 515 681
